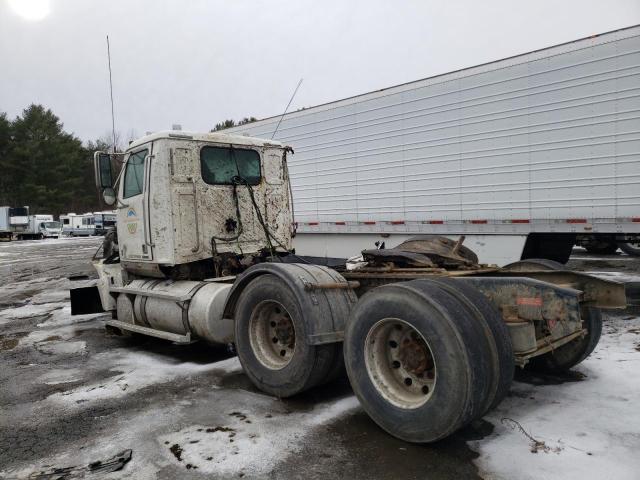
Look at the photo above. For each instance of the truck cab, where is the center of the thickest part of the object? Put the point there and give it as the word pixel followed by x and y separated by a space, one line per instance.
pixel 50 229
pixel 182 198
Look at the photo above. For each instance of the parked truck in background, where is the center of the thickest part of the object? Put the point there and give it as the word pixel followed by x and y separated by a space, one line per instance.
pixel 5 230
pixel 18 220
pixel 103 221
pixel 525 156
pixel 17 223
pixel 429 336
pixel 36 228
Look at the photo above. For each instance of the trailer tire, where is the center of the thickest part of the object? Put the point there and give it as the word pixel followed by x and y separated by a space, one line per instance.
pixel 602 248
pixel 460 363
pixel 496 331
pixel 629 248
pixel 571 354
pixel 301 366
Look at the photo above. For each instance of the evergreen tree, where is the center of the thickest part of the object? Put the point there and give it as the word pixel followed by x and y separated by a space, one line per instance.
pixel 43 166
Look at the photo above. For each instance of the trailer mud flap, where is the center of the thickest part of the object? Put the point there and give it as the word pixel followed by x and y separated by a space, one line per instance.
pixel 85 300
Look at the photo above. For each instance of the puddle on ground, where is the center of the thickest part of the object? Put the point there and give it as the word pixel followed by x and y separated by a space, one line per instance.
pixel 539 378
pixel 10 341
pixel 355 447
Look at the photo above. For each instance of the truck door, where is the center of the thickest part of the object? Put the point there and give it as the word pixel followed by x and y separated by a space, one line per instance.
pixel 133 235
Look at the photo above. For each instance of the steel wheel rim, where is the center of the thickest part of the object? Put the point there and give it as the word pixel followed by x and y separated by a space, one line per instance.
pixel 272 335
pixel 400 363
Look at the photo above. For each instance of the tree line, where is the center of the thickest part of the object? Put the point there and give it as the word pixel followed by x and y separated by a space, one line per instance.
pixel 44 167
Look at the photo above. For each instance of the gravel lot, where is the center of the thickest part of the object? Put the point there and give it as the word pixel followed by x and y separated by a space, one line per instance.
pixel 72 394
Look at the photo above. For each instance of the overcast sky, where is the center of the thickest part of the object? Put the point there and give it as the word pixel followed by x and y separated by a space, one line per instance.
pixel 198 62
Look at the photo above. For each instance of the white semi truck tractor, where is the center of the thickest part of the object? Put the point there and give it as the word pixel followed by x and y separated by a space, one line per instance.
pixel 428 335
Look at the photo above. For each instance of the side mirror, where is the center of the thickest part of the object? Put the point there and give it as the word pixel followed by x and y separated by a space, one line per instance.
pixel 109 196
pixel 102 167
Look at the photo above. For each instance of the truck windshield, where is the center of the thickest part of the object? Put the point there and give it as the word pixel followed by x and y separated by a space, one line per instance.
pixel 52 225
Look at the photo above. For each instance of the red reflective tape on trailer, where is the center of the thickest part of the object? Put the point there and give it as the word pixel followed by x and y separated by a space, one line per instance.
pixel 529 301
pixel 478 222
pixel 341 223
pixel 397 222
pixel 369 223
pixel 576 220
pixel 435 222
pixel 520 220
pixel 312 223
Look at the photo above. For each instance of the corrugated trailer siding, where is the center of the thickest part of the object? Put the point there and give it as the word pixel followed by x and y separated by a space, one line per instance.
pixel 554 134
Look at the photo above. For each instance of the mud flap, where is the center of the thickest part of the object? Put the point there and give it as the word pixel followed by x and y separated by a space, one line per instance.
pixel 85 300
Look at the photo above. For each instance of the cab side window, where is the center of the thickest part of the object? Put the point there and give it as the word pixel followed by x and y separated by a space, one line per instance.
pixel 134 174
pixel 221 164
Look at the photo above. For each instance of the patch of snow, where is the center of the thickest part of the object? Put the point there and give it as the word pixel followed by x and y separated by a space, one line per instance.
pixel 141 369
pixel 63 317
pixel 61 348
pixel 247 443
pixel 58 376
pixel 29 310
pixel 616 276
pixel 624 258
pixel 591 428
pixel 49 296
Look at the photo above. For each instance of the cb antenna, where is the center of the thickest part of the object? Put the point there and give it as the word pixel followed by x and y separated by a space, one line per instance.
pixel 113 120
pixel 285 110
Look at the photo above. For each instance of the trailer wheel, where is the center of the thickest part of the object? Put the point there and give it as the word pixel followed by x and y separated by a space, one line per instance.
pixel 270 335
pixel 630 248
pixel 417 361
pixel 571 354
pixel 602 247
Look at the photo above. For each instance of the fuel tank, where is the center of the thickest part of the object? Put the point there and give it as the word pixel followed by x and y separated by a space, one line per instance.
pixel 178 307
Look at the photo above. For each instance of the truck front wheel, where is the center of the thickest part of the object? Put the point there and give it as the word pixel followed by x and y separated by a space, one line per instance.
pixel 271 332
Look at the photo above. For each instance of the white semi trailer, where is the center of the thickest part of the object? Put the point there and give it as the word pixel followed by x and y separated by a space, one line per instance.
pixel 428 335
pixel 525 156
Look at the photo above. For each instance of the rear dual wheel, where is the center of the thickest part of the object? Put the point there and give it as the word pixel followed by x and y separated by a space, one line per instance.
pixel 422 362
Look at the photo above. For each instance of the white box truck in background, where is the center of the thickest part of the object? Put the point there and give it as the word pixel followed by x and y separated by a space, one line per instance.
pixel 42 226
pixel 525 156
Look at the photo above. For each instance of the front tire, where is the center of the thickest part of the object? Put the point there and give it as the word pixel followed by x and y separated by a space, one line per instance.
pixel 271 340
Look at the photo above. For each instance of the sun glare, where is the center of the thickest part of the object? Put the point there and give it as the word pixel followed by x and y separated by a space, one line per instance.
pixel 31 9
